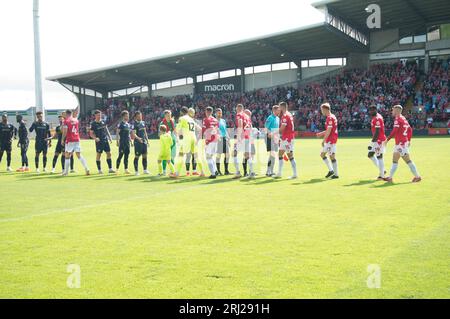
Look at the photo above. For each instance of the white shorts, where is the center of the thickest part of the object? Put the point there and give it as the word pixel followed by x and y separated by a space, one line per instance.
pixel 403 149
pixel 378 148
pixel 329 148
pixel 73 147
pixel 211 148
pixel 243 146
pixel 287 146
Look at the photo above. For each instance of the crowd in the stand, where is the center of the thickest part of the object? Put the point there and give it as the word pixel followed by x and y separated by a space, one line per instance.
pixel 350 93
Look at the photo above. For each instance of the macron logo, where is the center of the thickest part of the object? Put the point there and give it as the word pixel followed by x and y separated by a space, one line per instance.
pixel 219 87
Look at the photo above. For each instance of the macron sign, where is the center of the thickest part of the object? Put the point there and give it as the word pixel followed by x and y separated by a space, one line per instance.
pixel 227 85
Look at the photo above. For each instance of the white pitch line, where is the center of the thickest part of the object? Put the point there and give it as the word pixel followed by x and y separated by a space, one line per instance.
pixel 65 210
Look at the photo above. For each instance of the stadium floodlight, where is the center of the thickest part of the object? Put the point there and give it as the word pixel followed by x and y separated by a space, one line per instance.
pixel 37 59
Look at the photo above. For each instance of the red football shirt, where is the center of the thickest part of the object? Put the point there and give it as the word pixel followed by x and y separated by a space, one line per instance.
pixel 246 125
pixel 331 121
pixel 210 129
pixel 378 122
pixel 73 134
pixel 287 120
pixel 402 131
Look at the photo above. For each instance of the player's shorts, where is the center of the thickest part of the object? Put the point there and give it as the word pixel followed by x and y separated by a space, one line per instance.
pixel 59 148
pixel 223 146
pixel 102 146
pixel 329 148
pixel 242 146
pixel 73 147
pixel 403 149
pixel 188 145
pixel 124 148
pixel 378 148
pixel 5 147
pixel 287 146
pixel 272 145
pixel 211 148
pixel 165 156
pixel 41 146
pixel 140 148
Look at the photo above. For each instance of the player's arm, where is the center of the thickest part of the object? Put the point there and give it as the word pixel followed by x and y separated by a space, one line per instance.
pixel 394 131
pixel 145 134
pixel 117 136
pixel 51 137
pixel 76 112
pixel 179 130
pixel 92 134
pixel 108 134
pixel 48 138
pixel 240 129
pixel 282 127
pixel 64 134
pixel 376 134
pixel 32 128
pixel 325 134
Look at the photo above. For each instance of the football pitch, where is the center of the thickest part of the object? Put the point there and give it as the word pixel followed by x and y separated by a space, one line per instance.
pixel 129 236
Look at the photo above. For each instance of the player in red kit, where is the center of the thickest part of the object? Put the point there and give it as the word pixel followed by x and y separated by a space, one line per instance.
pixel 402 133
pixel 242 137
pixel 377 144
pixel 71 139
pixel 330 137
pixel 210 132
pixel 287 140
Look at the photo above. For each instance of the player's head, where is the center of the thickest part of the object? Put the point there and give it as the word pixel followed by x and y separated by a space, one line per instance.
pixel 167 114
pixel 325 108
pixel 162 129
pixel 397 110
pixel 68 113
pixel 63 114
pixel 19 118
pixel 209 111
pixel 125 116
pixel 248 112
pixel 4 118
pixel 276 110
pixel 60 118
pixel 39 116
pixel 184 110
pixel 239 108
pixel 283 107
pixel 191 112
pixel 98 115
pixel 138 116
pixel 373 110
pixel 219 113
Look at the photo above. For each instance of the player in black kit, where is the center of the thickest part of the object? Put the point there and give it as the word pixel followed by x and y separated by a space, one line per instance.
pixel 100 133
pixel 41 143
pixel 123 141
pixel 7 132
pixel 23 143
pixel 59 149
pixel 140 138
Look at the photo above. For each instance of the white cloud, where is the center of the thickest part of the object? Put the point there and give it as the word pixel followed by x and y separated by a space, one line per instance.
pixel 85 34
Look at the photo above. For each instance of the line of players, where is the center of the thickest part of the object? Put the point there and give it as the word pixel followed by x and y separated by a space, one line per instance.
pixel 279 129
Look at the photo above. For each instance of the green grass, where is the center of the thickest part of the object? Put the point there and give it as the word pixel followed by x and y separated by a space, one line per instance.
pixel 146 237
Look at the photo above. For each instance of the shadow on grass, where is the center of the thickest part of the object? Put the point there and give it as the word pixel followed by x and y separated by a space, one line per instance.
pixel 362 182
pixel 313 181
pixel 389 185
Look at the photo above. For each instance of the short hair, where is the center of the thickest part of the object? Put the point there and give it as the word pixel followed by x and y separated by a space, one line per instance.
pixel 163 128
pixel 167 112
pixel 218 110
pixel 19 117
pixel 4 115
pixel 124 113
pixel 373 107
pixel 398 106
pixel 68 112
pixel 97 112
pixel 209 109
pixel 326 106
pixel 60 116
pixel 39 113
pixel 283 104
pixel 191 110
pixel 137 113
pixel 184 110
pixel 275 107
pixel 240 106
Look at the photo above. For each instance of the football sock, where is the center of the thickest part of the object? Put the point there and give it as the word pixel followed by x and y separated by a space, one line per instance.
pixel 236 165
pixel 125 160
pixel 171 168
pixel 63 161
pixel 374 160
pixel 328 164
pixel 178 165
pixel 164 165
pixel 335 167
pixel 212 167
pixel 71 162
pixel 225 163
pixel 119 159
pixel 272 164
pixel 44 160
pixel 136 164
pixel 8 159
pixel 144 163
pixel 160 167
pixel 1 156
pixel 66 166
pixel 109 161
pixel 83 162
pixel 393 169
pixel 244 166
pixel 194 164
pixel 99 165
pixel 218 166
pixel 55 159
pixel 381 166
pixel 412 167
pixel 36 161
pixel 294 167
pixel 250 165
pixel 280 165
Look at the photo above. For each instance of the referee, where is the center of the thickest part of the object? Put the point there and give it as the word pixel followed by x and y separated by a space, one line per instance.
pixel 272 126
pixel 223 147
